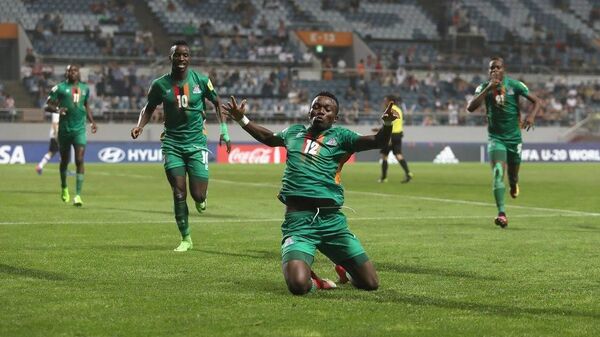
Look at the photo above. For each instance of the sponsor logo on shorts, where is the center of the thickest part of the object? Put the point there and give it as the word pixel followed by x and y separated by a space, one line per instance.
pixel 288 241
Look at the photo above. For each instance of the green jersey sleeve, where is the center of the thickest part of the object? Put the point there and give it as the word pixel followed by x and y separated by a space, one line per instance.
pixel 209 92
pixel 154 95
pixel 348 140
pixel 53 95
pixel 521 89
pixel 282 134
pixel 480 88
pixel 86 96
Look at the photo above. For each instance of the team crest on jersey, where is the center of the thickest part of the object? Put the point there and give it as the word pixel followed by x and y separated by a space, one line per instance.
pixel 510 91
pixel 196 90
pixel 332 142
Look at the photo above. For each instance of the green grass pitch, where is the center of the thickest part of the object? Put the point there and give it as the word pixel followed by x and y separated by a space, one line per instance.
pixel 108 269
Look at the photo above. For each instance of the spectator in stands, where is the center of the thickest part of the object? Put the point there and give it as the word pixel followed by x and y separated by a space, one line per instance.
pixel 262 24
pixel 9 104
pixel 341 66
pixel 56 25
pixel 360 69
pixel 30 57
pixel 327 66
pixel 282 34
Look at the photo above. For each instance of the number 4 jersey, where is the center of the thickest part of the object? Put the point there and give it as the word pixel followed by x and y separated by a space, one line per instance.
pixel 183 105
pixel 502 107
pixel 314 162
pixel 73 97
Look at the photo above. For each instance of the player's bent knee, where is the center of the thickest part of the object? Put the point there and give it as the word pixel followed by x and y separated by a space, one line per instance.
pixel 370 284
pixel 179 196
pixel 299 287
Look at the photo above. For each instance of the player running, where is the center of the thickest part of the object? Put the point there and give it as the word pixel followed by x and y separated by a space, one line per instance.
pixel 501 96
pixel 313 194
pixel 69 98
pixel 52 146
pixel 182 93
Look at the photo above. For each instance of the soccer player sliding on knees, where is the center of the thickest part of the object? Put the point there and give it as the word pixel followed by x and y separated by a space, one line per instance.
pixel 313 195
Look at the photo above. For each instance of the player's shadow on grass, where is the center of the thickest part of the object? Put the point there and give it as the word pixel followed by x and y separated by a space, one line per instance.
pixel 116 247
pixel 387 296
pixel 408 269
pixel 28 192
pixel 257 254
pixel 34 273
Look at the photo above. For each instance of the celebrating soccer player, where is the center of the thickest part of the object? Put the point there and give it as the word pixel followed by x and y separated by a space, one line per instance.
pixel 69 98
pixel 501 96
pixel 314 196
pixel 182 93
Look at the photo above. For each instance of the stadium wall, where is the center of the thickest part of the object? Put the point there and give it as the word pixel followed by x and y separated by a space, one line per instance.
pixel 120 132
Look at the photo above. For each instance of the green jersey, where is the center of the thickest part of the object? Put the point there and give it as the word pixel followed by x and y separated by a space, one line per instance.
pixel 73 97
pixel 314 162
pixel 502 108
pixel 183 105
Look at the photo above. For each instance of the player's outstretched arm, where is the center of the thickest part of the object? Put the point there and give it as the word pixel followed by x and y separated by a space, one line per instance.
pixel 260 133
pixel 529 121
pixel 382 137
pixel 224 133
pixel 144 118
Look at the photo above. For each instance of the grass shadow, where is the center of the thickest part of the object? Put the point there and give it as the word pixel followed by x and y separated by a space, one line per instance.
pixel 411 269
pixel 258 254
pixel 133 247
pixel 392 296
pixel 34 273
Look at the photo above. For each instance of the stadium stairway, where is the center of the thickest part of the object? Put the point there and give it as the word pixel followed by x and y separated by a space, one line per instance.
pixel 18 91
pixel 149 22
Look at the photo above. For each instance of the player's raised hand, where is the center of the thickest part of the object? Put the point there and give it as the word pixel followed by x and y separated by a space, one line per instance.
pixel 389 114
pixel 233 111
pixel 136 132
pixel 494 80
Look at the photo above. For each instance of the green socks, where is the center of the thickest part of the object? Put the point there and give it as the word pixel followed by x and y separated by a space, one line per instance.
pixel 79 183
pixel 181 217
pixel 499 187
pixel 63 178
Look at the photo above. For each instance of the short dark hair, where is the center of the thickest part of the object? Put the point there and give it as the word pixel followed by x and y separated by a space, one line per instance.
pixel 497 58
pixel 179 43
pixel 174 46
pixel 392 98
pixel 332 96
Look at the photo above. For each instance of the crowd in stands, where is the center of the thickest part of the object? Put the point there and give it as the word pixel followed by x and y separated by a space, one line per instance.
pixel 276 93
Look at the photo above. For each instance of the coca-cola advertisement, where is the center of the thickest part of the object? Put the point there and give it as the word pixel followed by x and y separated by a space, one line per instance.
pixel 251 154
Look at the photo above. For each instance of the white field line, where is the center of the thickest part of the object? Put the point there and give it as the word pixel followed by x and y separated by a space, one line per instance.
pixel 209 221
pixel 454 201
pixel 386 195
